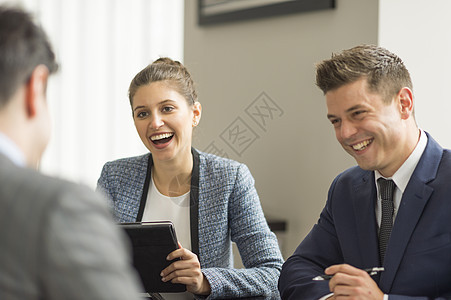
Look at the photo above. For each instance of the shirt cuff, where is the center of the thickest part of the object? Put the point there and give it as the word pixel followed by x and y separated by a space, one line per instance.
pixel 331 294
pixel 328 295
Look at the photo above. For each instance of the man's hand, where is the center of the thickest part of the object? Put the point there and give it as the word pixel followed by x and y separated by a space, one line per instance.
pixel 186 271
pixel 349 282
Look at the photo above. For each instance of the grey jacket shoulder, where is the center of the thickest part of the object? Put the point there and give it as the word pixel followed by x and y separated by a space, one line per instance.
pixel 55 234
pixel 24 181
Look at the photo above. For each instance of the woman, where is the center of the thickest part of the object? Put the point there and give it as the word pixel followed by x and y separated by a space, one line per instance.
pixel 211 200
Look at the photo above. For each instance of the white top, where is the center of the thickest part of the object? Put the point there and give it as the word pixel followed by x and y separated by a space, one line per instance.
pixel 164 208
pixel 11 150
pixel 176 209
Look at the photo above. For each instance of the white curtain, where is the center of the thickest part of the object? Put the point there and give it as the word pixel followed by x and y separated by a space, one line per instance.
pixel 100 45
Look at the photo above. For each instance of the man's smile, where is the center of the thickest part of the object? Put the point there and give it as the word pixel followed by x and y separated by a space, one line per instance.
pixel 362 145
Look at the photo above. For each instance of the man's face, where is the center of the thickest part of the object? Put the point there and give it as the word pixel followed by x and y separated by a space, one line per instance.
pixel 368 129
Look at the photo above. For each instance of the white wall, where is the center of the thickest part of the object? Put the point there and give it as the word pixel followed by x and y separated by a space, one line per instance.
pixel 10 2
pixel 420 33
pixel 296 155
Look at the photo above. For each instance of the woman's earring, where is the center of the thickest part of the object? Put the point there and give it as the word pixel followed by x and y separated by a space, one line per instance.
pixel 194 123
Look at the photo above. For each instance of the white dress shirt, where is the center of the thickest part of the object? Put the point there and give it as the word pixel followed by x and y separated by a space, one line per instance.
pixel 11 150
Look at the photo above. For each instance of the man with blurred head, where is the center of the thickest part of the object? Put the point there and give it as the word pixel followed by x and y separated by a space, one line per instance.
pixel 393 210
pixel 58 240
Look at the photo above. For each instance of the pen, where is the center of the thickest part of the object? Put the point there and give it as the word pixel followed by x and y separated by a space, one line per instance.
pixel 371 271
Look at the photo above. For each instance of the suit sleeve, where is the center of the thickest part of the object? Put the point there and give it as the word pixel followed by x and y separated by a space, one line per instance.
pixel 317 251
pixel 257 245
pixel 85 255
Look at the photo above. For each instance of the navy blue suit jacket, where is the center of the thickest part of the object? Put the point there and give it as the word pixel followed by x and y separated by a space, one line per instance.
pixel 418 258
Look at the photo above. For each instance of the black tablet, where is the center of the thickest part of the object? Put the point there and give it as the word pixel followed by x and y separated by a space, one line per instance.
pixel 152 242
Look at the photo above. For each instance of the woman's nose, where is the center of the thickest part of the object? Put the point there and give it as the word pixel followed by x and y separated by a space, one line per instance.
pixel 156 122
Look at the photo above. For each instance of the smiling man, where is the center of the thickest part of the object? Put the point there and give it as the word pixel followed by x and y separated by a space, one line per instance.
pixel 393 210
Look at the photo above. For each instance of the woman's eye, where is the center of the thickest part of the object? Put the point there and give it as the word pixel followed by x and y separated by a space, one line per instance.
pixel 168 108
pixel 142 114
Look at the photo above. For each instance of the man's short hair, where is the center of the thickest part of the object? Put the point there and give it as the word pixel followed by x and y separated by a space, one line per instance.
pixel 385 72
pixel 23 46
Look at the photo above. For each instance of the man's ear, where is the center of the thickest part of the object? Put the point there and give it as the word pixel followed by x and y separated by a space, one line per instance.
pixel 35 89
pixel 405 96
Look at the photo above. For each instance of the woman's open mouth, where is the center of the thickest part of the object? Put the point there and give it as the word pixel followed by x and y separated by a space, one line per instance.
pixel 163 138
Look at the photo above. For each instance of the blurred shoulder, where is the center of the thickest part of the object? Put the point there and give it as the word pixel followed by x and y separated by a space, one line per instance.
pixel 33 189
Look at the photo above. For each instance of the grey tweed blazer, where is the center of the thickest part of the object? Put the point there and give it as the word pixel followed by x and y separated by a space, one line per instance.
pixel 224 207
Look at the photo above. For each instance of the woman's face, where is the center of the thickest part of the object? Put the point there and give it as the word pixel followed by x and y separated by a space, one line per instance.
pixel 164 120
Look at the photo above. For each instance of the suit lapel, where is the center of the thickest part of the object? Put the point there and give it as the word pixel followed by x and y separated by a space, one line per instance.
pixel 142 203
pixel 413 201
pixel 194 203
pixel 364 198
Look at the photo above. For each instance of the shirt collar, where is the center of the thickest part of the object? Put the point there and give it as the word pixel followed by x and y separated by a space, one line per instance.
pixel 11 150
pixel 403 174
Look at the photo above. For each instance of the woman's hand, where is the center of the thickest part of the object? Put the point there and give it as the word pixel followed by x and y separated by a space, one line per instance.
pixel 186 271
